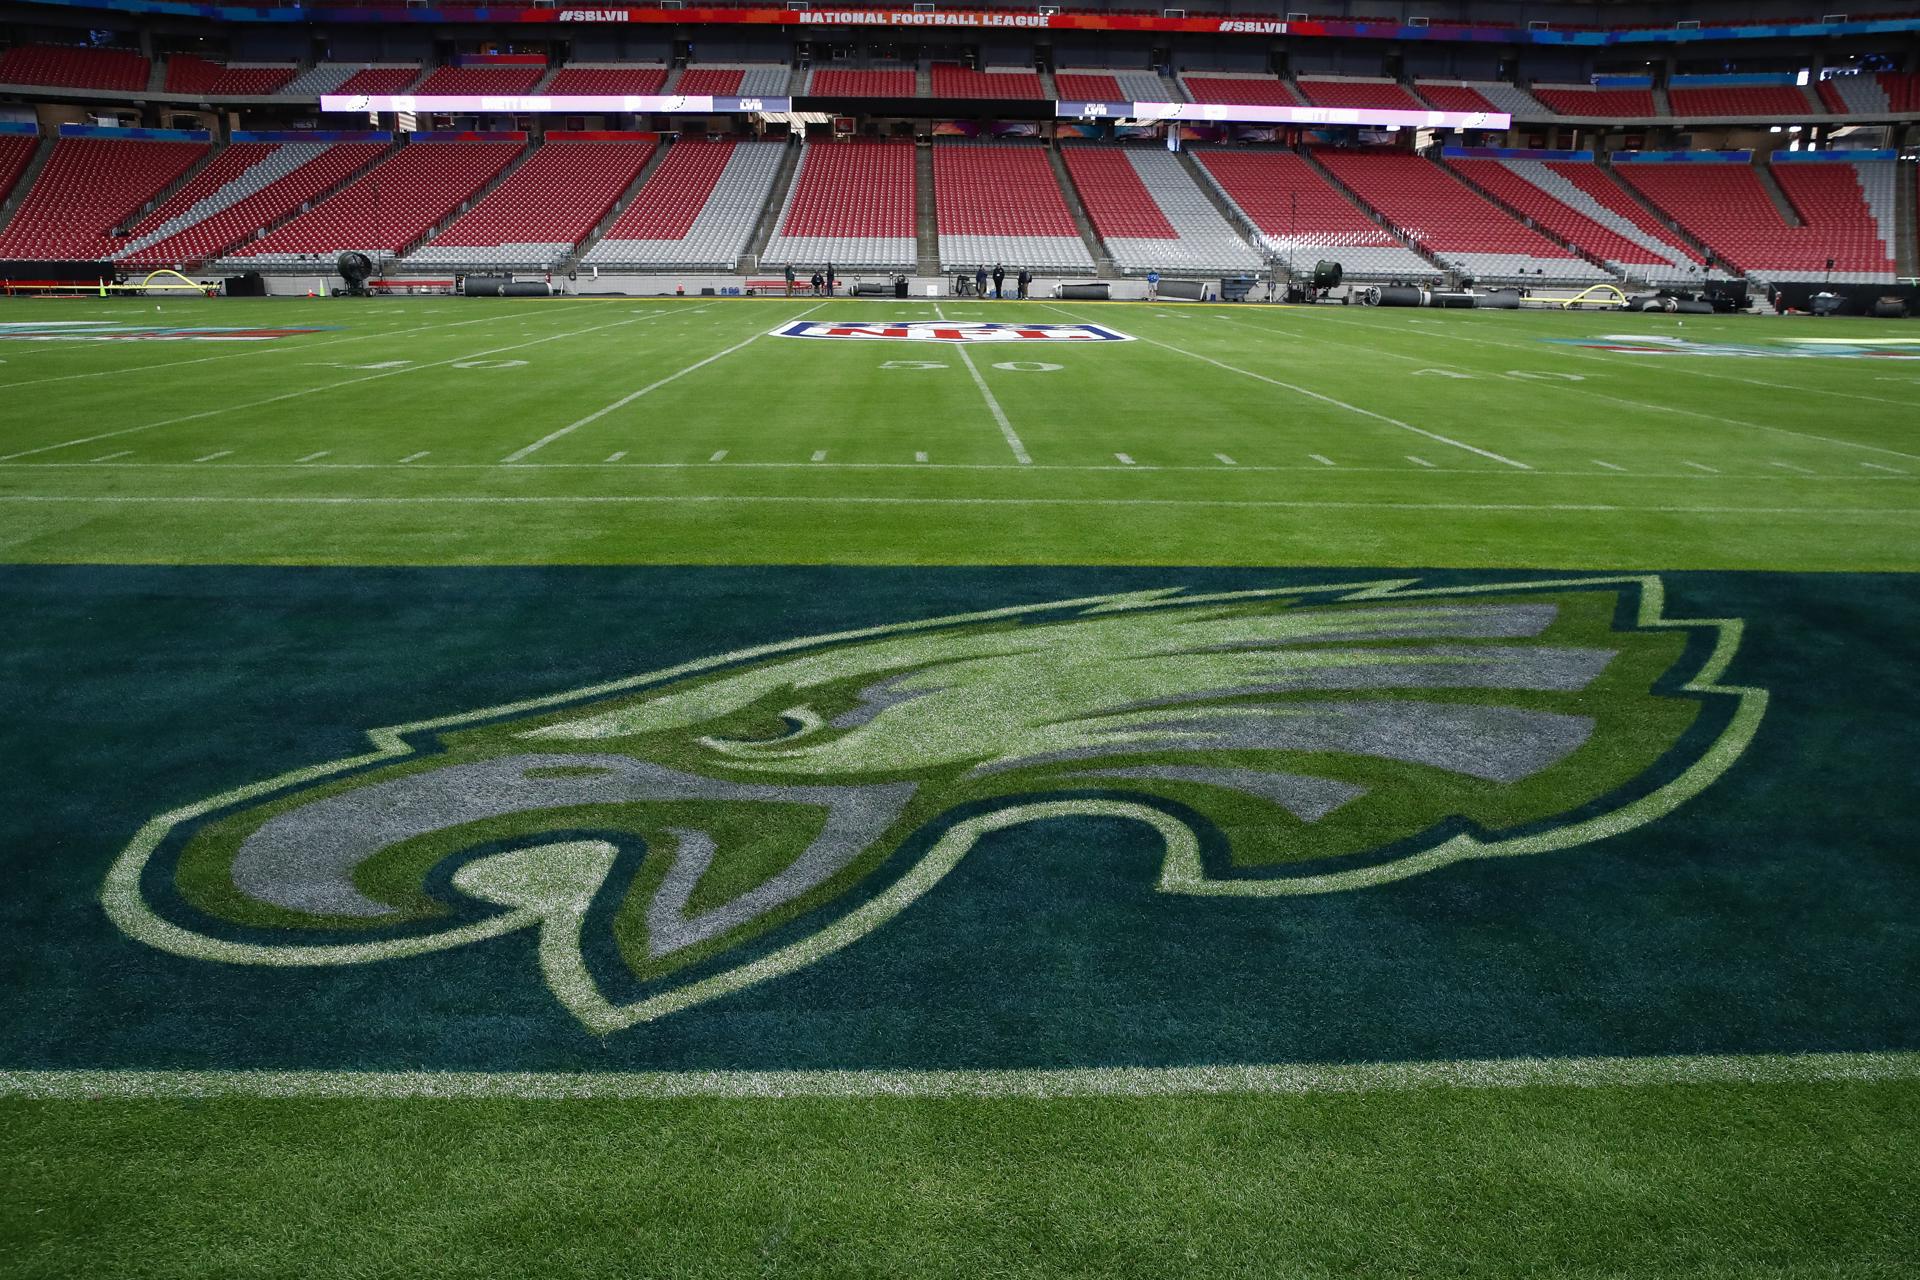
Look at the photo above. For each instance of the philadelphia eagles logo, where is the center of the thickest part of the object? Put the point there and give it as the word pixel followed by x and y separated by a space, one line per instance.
pixel 671 838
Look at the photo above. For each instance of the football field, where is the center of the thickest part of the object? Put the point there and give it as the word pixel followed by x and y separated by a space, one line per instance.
pixel 815 787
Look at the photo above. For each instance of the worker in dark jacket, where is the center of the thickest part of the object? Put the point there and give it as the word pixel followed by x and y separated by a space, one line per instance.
pixel 1026 278
pixel 980 280
pixel 789 279
pixel 999 278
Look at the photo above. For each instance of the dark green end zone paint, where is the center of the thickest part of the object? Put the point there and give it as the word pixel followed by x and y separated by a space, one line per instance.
pixel 1767 915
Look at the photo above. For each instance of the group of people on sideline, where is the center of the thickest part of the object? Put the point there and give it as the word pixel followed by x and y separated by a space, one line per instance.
pixel 1021 282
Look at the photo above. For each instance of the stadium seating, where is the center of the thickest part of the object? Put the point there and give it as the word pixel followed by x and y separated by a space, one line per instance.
pixel 389 207
pixel 535 218
pixel 1902 89
pixel 1726 207
pixel 1587 103
pixel 88 187
pixel 698 207
pixel 1555 203
pixel 69 67
pixel 1000 202
pixel 852 204
pixel 1150 214
pixel 274 188
pixel 1764 101
pixel 16 153
pixel 1453 222
pixel 1245 91
pixel 607 79
pixel 950 81
pixel 1104 84
pixel 1387 95
pixel 844 82
pixel 747 80
pixel 492 80
pixel 1302 217
pixel 188 74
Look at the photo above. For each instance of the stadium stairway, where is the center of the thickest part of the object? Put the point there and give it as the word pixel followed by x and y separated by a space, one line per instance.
pixel 926 224
pixel 1771 185
pixel 599 229
pixel 1666 220
pixel 1662 104
pixel 11 198
pixel 1153 215
pixel 212 156
pixel 775 202
pixel 998 201
pixel 1102 262
pixel 1378 218
pixel 378 155
pixel 1906 247
pixel 923 81
pixel 1466 177
pixel 473 198
pixel 1300 217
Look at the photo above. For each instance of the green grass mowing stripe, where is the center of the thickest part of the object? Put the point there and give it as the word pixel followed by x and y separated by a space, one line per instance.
pixel 935 501
pixel 321 390
pixel 523 453
pixel 1707 1181
pixel 259 349
pixel 1341 404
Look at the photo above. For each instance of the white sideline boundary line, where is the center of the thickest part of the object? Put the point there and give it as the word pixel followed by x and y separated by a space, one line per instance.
pixel 1325 399
pixel 331 386
pixel 1903 513
pixel 1086 1082
pixel 630 397
pixel 1007 432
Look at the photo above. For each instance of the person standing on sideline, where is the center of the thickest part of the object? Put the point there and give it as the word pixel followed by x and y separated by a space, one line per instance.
pixel 999 278
pixel 816 283
pixel 980 279
pixel 829 279
pixel 1153 286
pixel 1026 278
pixel 789 279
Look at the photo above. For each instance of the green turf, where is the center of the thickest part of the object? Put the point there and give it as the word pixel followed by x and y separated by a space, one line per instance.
pixel 1665 462
pixel 1220 437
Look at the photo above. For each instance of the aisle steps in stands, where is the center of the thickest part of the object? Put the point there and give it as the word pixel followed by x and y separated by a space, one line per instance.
pixel 1788 214
pixel 1906 245
pixel 166 193
pixel 1465 173
pixel 10 200
pixel 473 198
pixel 620 203
pixel 925 222
pixel 776 201
pixel 1102 262
pixel 1223 206
pixel 373 161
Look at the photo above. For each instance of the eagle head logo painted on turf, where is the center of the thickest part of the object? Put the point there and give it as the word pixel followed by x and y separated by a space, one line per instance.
pixel 674 837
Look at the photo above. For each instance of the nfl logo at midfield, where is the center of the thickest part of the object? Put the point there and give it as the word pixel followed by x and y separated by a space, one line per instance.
pixel 948 331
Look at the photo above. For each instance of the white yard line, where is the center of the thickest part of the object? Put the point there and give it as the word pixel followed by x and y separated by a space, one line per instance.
pixel 529 450
pixel 1007 432
pixel 331 386
pixel 1064 1082
pixel 1326 399
pixel 1822 512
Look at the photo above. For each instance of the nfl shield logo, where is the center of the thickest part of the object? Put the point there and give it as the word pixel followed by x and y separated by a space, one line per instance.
pixel 948 331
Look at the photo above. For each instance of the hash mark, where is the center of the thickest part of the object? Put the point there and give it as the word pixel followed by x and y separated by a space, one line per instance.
pixel 314 457
pixel 615 457
pixel 919 457
pixel 1788 466
pixel 720 455
pixel 1124 459
pixel 415 457
pixel 1418 461
pixel 1323 460
pixel 210 457
pixel 1701 466
pixel 819 455
pixel 1226 460
pixel 109 457
pixel 1875 465
pixel 1608 465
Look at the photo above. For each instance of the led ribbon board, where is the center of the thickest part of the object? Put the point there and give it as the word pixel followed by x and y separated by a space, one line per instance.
pixel 492 104
pixel 1221 112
